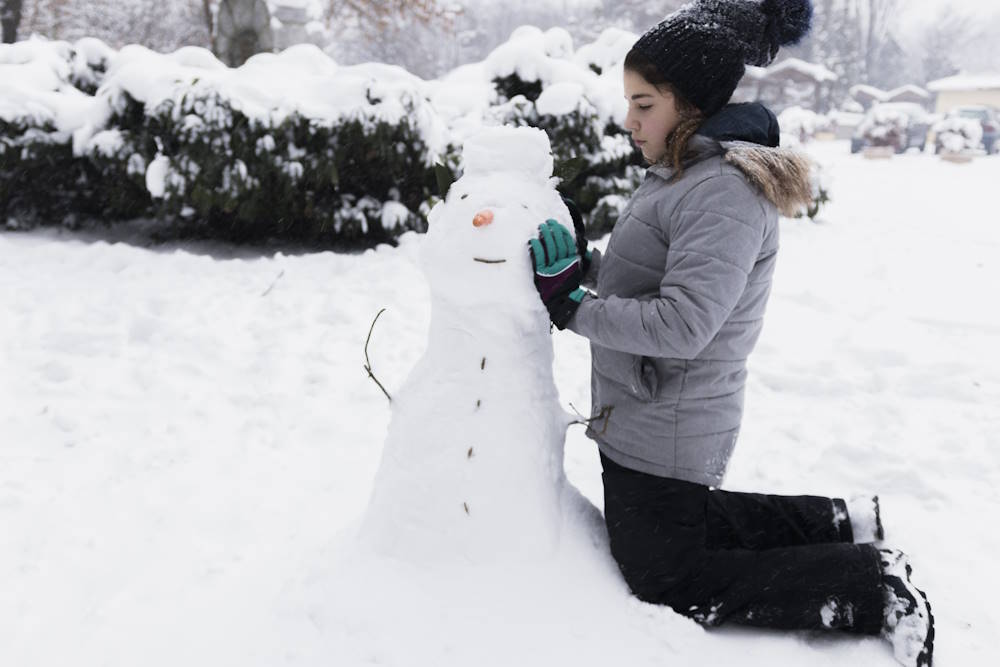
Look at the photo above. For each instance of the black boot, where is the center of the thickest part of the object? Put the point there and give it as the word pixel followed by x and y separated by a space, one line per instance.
pixel 908 623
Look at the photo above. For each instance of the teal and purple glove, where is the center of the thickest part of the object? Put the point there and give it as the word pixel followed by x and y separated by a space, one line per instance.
pixel 558 271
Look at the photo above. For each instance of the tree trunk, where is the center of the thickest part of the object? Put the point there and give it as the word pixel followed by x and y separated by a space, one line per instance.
pixel 870 42
pixel 207 4
pixel 10 18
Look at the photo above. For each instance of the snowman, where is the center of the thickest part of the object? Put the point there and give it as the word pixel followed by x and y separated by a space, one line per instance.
pixel 472 467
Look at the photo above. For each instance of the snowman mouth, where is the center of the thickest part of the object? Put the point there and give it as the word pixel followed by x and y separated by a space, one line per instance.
pixel 489 261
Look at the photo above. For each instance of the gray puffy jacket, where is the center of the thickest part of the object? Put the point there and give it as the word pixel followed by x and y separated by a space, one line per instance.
pixel 681 292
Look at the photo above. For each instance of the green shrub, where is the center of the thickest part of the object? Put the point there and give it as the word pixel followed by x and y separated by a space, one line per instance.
pixel 241 179
pixel 39 177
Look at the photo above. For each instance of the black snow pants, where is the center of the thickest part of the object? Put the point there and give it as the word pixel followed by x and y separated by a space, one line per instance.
pixel 784 562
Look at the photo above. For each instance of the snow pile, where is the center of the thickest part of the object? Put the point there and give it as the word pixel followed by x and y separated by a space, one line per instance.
pixel 305 80
pixel 568 80
pixel 607 53
pixel 36 88
pixel 956 134
pixel 269 88
pixel 36 81
pixel 801 124
pixel 885 125
pixel 844 122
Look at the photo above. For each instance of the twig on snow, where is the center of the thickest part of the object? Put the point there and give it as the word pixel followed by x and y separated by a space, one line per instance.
pixel 368 364
pixel 273 283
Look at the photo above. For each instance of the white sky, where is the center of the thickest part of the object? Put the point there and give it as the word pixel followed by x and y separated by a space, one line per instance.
pixel 917 11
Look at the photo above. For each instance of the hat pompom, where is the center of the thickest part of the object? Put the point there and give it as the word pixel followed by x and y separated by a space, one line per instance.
pixel 791 19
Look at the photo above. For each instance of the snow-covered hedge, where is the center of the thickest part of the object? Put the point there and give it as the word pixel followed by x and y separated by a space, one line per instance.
pixel 802 124
pixel 42 102
pixel 291 145
pixel 885 127
pixel 288 146
pixel 957 135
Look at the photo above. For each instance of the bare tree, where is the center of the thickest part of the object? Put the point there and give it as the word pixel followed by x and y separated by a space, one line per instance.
pixel 880 16
pixel 379 17
pixel 209 15
pixel 410 33
pixel 159 25
pixel 637 15
pixel 10 19
pixel 941 40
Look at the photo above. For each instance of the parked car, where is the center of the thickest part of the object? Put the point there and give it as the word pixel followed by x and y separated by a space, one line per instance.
pixel 988 119
pixel 901 125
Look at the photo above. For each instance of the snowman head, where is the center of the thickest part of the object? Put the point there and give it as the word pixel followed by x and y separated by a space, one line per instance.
pixel 476 249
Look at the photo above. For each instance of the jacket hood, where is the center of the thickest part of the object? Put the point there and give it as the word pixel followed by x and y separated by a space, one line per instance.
pixel 782 174
pixel 750 122
pixel 747 136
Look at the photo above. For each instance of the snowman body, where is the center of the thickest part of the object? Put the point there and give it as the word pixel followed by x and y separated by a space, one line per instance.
pixel 472 468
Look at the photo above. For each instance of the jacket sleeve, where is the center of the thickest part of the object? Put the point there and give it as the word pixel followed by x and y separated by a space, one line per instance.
pixel 716 234
pixel 590 280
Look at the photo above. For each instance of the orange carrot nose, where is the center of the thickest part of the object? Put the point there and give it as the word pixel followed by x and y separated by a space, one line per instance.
pixel 482 218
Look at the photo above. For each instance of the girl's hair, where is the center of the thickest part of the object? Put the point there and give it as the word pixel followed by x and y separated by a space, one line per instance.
pixel 691 116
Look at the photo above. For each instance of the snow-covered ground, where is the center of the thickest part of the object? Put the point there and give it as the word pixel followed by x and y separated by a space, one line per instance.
pixel 188 439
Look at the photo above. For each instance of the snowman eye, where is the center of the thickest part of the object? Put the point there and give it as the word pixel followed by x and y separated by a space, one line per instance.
pixel 464 196
pixel 524 206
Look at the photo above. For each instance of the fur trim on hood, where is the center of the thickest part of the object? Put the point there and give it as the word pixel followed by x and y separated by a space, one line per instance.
pixel 782 174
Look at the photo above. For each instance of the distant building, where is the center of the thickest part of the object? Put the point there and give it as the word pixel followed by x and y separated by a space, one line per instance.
pixel 910 93
pixel 791 82
pixel 966 90
pixel 867 96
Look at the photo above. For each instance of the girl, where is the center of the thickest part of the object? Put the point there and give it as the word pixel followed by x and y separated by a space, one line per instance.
pixel 681 293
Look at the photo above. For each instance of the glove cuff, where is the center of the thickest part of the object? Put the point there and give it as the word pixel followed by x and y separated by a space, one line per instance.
pixel 562 311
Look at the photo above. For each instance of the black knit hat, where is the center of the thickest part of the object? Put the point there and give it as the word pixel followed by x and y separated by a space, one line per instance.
pixel 702 47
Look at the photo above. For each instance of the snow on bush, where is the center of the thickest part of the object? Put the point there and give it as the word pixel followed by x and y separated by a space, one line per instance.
pixel 797 125
pixel 580 106
pixel 820 183
pixel 607 52
pixel 885 127
pixel 802 124
pixel 40 107
pixel 957 134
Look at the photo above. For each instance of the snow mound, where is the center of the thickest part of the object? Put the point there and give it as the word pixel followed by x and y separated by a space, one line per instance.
pixel 508 149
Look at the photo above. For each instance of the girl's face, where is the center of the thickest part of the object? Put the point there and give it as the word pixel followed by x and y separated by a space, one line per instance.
pixel 652 116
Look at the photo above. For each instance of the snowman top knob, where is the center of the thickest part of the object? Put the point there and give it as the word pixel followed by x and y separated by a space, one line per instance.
pixel 524 150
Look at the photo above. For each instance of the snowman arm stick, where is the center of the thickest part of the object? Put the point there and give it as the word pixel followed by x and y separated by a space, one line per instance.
pixel 604 414
pixel 368 364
